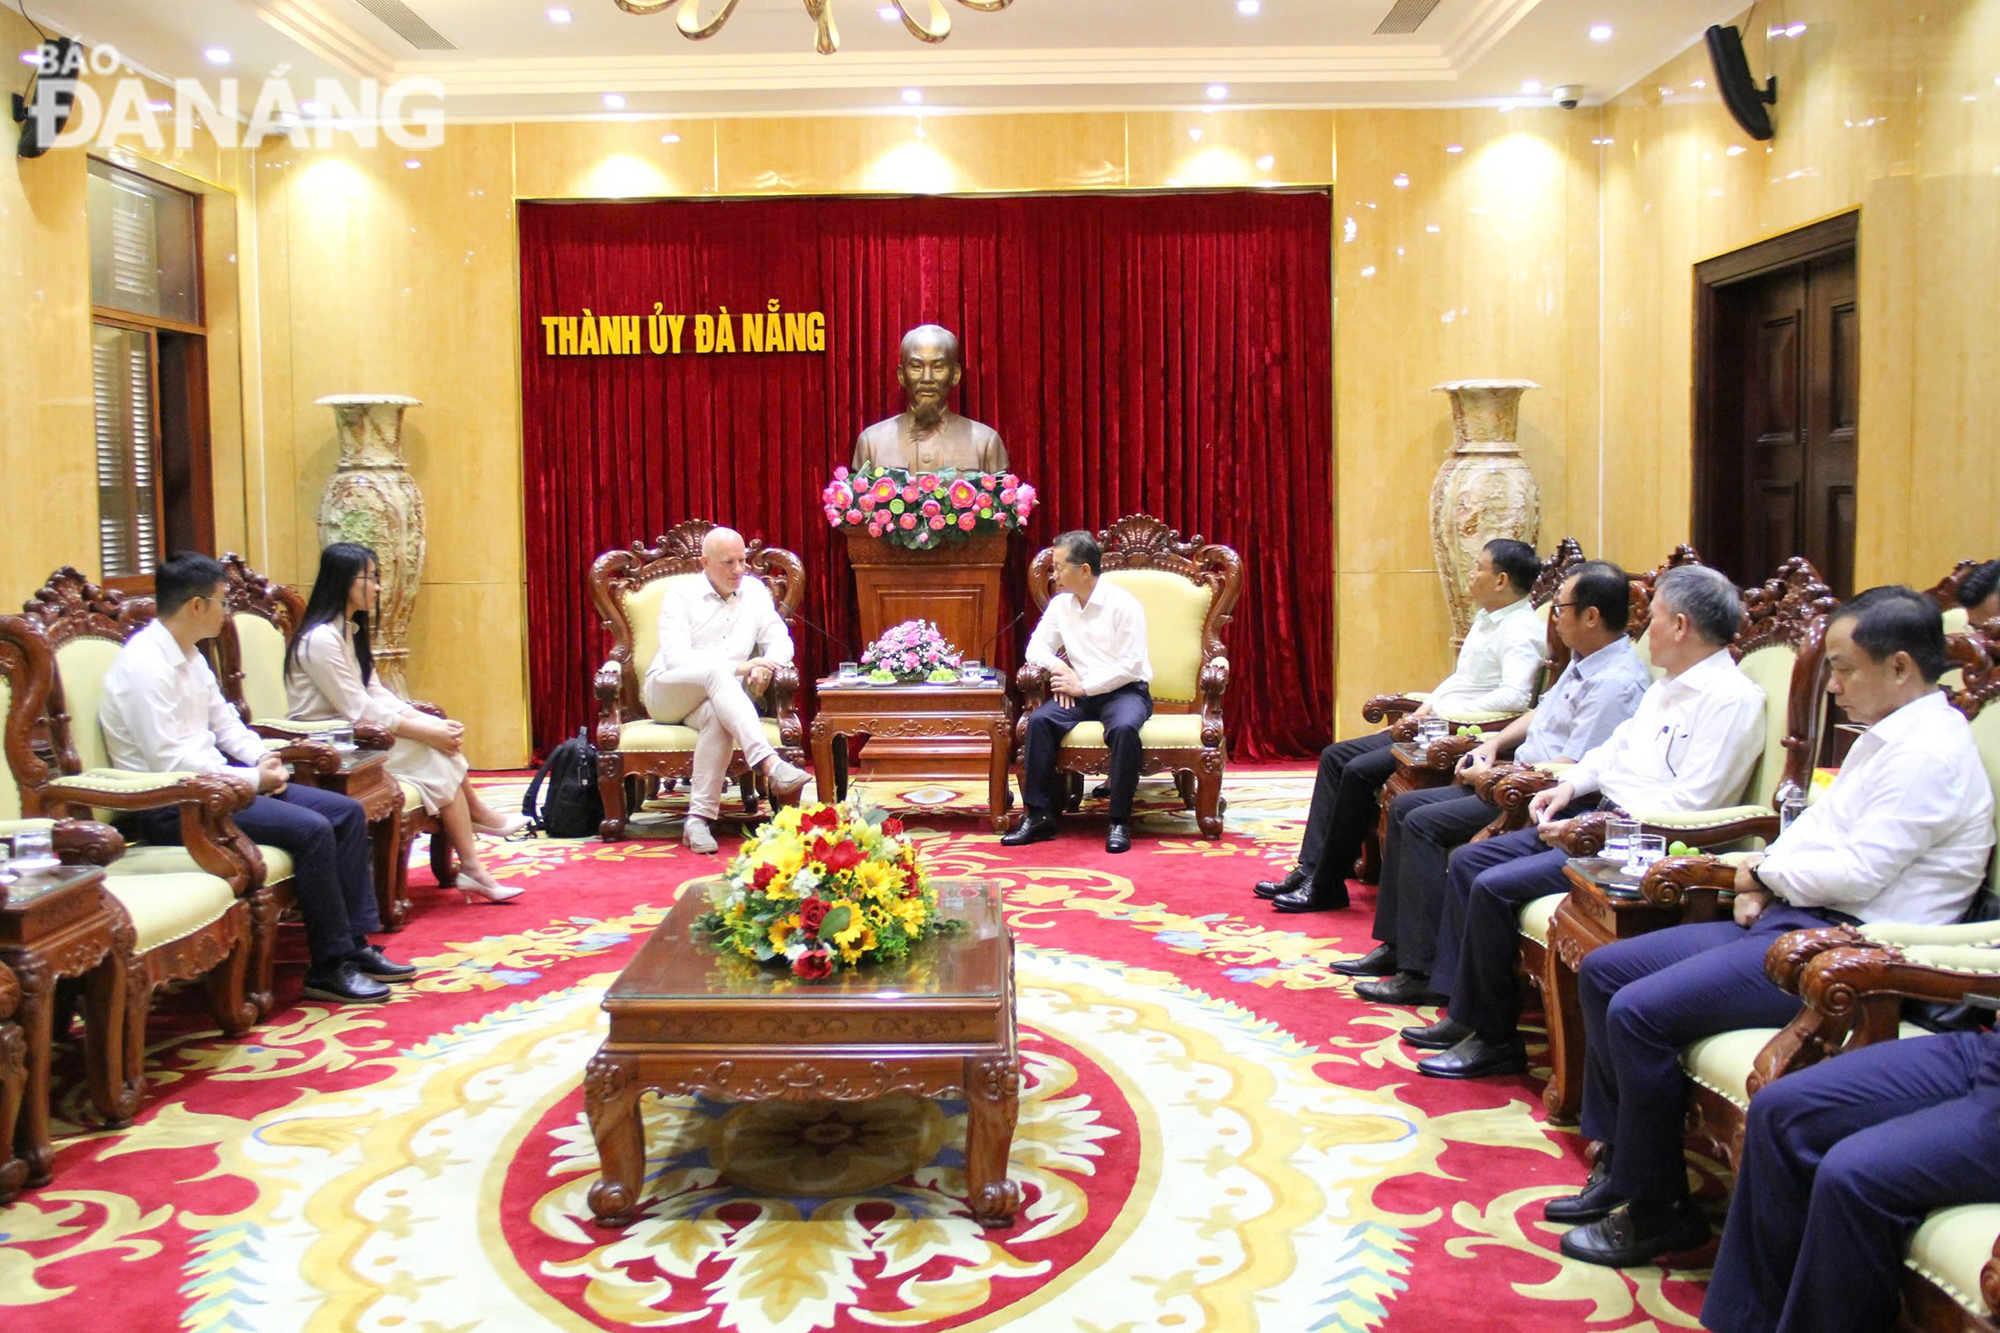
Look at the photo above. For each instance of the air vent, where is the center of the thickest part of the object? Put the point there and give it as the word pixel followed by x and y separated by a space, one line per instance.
pixel 424 37
pixel 1406 17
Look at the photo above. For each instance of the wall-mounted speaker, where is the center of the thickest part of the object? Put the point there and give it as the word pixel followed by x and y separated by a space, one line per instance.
pixel 44 111
pixel 1740 93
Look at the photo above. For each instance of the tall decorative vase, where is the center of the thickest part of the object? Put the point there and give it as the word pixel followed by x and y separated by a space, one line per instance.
pixel 1484 490
pixel 372 499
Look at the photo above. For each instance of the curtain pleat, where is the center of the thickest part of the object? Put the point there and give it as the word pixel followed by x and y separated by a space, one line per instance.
pixel 1168 355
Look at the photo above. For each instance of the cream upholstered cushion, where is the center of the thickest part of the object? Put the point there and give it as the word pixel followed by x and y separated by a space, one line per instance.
pixel 672 737
pixel 169 906
pixel 82 663
pixel 1176 609
pixel 1771 668
pixel 1537 916
pixel 413 800
pixel 1957 620
pixel 294 727
pixel 1962 934
pixel 1722 1063
pixel 263 651
pixel 1162 731
pixel 1694 821
pixel 1469 718
pixel 171 859
pixel 1952 1245
pixel 642 612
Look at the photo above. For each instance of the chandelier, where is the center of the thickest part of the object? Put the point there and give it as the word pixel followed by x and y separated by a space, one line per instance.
pixel 934 27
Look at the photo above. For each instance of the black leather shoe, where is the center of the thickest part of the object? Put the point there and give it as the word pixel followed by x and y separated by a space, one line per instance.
pixel 1593 1201
pixel 1034 827
pixel 1442 1035
pixel 1633 1234
pixel 343 984
pixel 1412 988
pixel 370 962
pixel 1271 888
pixel 1379 961
pixel 1304 900
pixel 1476 1057
pixel 1117 838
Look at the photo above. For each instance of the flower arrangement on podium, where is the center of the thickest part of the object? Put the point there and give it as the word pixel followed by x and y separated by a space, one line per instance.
pixel 912 651
pixel 823 888
pixel 926 510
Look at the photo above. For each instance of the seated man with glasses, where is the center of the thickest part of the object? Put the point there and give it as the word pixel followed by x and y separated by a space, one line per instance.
pixel 161 712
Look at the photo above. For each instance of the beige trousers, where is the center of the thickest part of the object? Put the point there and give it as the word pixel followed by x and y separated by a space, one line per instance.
pixel 708 696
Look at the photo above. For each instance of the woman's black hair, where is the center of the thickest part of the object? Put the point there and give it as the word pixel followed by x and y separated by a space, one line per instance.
pixel 339 565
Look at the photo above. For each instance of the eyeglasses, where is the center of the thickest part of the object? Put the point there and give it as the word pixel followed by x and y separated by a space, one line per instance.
pixel 1555 607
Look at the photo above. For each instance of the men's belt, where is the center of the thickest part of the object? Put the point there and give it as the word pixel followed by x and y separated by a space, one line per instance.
pixel 1832 917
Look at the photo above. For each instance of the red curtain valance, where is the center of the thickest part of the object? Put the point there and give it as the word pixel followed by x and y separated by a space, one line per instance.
pixel 1165 354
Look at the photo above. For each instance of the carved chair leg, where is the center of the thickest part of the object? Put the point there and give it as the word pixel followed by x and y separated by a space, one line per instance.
pixel 1184 784
pixel 234 1013
pixel 117 996
pixel 443 868
pixel 263 949
pixel 1208 799
pixel 611 790
pixel 746 787
pixel 1073 800
pixel 1563 1013
pixel 392 898
pixel 13 1080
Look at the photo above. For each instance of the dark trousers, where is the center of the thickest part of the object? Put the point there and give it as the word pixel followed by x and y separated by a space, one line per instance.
pixel 1644 999
pixel 327 836
pixel 1351 774
pixel 1424 827
pixel 1122 712
pixel 1840 1163
pixel 1478 935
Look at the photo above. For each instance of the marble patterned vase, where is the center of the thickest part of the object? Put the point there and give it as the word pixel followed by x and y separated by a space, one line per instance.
pixel 372 499
pixel 1484 490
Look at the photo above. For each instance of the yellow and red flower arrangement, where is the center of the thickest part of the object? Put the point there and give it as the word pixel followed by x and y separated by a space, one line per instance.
pixel 822 888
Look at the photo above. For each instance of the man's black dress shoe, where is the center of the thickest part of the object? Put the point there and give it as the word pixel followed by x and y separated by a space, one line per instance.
pixel 1403 988
pixel 1442 1035
pixel 1379 961
pixel 1271 888
pixel 1305 900
pixel 1593 1201
pixel 1034 827
pixel 1117 838
pixel 1634 1234
pixel 371 962
pixel 343 984
pixel 1476 1057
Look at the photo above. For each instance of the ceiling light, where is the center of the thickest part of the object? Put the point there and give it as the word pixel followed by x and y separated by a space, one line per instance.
pixel 313 108
pixel 913 95
pixel 616 101
pixel 1454 148
pixel 1402 181
pixel 1217 91
pixel 1266 162
pixel 1195 134
pixel 1368 272
pixel 559 16
pixel 1796 30
pixel 1600 32
pixel 1433 228
pixel 1248 8
pixel 159 106
pixel 670 138
pixel 1532 88
pixel 33 57
pixel 412 163
pixel 1699 84
pixel 217 55
pixel 1735 150
pixel 888 13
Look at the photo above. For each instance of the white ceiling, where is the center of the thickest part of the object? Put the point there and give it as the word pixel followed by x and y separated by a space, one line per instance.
pixel 512 63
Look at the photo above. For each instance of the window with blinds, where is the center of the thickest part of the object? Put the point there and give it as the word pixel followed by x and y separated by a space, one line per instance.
pixel 128 499
pixel 144 260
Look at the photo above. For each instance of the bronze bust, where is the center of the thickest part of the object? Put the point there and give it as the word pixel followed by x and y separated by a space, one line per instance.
pixel 928 436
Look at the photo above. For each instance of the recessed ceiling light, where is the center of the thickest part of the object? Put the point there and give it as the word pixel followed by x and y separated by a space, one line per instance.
pixel 1195 134
pixel 412 163
pixel 1266 162
pixel 888 13
pixel 1402 181
pixel 670 138
pixel 1531 88
pixel 1248 8
pixel 1432 228
pixel 559 15
pixel 1600 32
pixel 1368 272
pixel 616 101
pixel 1699 84
pixel 1217 91
pixel 1454 148
pixel 217 55
pixel 913 95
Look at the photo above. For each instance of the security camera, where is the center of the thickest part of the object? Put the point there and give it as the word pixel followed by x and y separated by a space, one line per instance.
pixel 1567 95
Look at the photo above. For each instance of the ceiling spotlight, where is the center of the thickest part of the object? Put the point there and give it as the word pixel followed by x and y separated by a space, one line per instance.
pixel 1195 134
pixel 616 101
pixel 217 55
pixel 1600 32
pixel 412 163
pixel 1532 88
pixel 1402 181
pixel 1454 148
pixel 1217 91
pixel 913 95
pixel 1266 162
pixel 559 15
pixel 670 138
pixel 1248 8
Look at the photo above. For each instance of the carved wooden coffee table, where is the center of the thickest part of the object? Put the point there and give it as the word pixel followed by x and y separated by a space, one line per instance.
pixel 687 1019
pixel 922 730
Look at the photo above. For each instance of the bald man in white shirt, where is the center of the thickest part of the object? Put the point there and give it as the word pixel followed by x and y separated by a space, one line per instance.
pixel 721 642
pixel 1902 835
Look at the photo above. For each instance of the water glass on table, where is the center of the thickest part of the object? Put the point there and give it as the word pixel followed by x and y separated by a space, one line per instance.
pixel 850 672
pixel 340 737
pixel 971 671
pixel 1618 835
pixel 33 850
pixel 1648 850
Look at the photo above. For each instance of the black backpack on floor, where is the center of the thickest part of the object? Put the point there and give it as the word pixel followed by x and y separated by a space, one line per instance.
pixel 572 808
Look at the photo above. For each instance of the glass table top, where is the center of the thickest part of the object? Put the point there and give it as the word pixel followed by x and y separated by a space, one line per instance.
pixel 18 889
pixel 678 962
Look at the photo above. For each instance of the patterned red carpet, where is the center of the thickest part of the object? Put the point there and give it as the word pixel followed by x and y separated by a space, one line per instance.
pixel 1215 1135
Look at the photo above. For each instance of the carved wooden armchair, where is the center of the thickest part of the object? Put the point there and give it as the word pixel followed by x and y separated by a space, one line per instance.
pixel 633 751
pixel 174 925
pixel 249 661
pixel 1188 588
pixel 13 1077
pixel 86 626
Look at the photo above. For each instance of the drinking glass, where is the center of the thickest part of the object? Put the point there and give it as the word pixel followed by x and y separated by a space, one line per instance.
pixel 1433 730
pixel 1791 808
pixel 341 737
pixel 850 671
pixel 1648 849
pixel 1618 835
pixel 33 850
pixel 971 670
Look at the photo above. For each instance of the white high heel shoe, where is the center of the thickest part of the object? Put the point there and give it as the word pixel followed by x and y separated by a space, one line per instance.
pixel 508 826
pixel 487 887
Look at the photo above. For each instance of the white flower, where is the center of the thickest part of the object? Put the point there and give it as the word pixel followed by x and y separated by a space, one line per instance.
pixel 805 881
pixel 797 948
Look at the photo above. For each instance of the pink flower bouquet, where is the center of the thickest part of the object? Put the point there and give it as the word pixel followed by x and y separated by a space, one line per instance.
pixel 910 651
pixel 927 509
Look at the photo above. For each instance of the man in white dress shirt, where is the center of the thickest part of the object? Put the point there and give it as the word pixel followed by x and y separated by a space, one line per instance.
pixel 721 641
pixel 1101 630
pixel 1902 835
pixel 162 713
pixel 1499 664
pixel 1690 746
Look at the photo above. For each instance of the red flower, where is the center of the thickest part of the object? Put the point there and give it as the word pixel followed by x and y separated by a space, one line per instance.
pixel 825 816
pixel 844 857
pixel 812 911
pixel 765 874
pixel 892 827
pixel 813 965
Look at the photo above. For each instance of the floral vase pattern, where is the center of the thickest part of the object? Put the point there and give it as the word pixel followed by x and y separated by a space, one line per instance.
pixel 1484 490
pixel 372 499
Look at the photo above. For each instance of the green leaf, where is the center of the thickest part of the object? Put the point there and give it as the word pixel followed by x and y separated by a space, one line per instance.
pixel 874 815
pixel 836 921
pixel 765 953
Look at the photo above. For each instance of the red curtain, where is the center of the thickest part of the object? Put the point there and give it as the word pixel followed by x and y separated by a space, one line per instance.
pixel 1168 355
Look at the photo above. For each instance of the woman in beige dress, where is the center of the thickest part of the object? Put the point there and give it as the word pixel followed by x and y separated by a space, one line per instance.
pixel 330 675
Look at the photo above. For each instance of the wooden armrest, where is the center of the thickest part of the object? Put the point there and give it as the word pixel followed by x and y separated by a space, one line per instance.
pixel 1713 828
pixel 1785 961
pixel 1584 834
pixel 85 842
pixel 1389 707
pixel 1441 756
pixel 206 800
pixel 423 706
pixel 1844 981
pixel 1694 883
pixel 609 681
pixel 310 756
pixel 371 737
pixel 1033 683
pixel 1214 679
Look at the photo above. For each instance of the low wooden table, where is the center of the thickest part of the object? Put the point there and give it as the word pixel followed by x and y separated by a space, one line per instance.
pixel 55 924
pixel 934 731
pixel 686 1018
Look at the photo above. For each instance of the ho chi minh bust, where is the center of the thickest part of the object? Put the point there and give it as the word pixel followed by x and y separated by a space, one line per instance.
pixel 928 436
